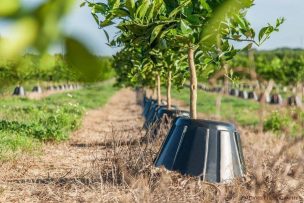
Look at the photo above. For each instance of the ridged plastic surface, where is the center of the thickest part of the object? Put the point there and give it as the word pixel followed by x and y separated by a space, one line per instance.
pixel 208 149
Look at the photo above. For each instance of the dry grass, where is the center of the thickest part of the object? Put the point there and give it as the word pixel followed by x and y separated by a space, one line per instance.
pixel 110 160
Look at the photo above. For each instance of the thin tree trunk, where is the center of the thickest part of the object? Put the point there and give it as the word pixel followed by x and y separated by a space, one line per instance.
pixel 193 84
pixel 158 89
pixel 262 104
pixel 169 90
pixel 226 85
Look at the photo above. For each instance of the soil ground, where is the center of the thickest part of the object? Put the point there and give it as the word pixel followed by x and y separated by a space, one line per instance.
pixel 87 168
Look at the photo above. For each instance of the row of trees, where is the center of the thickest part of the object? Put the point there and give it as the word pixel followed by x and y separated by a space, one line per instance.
pixel 53 68
pixel 173 41
pixel 284 66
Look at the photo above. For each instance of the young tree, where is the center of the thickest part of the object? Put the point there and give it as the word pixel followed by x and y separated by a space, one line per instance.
pixel 202 29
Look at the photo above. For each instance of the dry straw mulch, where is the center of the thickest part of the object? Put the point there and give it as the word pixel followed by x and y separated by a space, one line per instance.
pixel 110 160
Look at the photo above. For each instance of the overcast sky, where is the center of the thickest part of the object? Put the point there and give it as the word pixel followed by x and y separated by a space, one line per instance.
pixel 80 24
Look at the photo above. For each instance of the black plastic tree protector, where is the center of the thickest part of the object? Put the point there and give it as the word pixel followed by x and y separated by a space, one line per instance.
pixel 160 111
pixel 234 92
pixel 217 89
pixel 152 114
pixel 147 107
pixel 165 116
pixel 49 88
pixel 294 101
pixel 208 149
pixel 37 89
pixel 276 99
pixel 145 101
pixel 19 91
pixel 200 86
pixel 172 113
pixel 252 95
pixel 243 94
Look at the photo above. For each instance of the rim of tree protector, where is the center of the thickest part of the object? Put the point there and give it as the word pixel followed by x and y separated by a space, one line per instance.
pixel 152 115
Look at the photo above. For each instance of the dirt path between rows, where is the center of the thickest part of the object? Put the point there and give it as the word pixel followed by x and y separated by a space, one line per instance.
pixel 70 164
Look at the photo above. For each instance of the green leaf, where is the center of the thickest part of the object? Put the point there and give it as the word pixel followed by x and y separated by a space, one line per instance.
pixel 108 21
pixel 185 28
pixel 194 19
pixel 171 5
pixel 100 8
pixel 179 8
pixel 114 3
pixel 142 9
pixel 262 33
pixel 83 4
pixel 130 5
pixel 158 6
pixel 107 35
pixel 95 18
pixel 241 22
pixel 150 12
pixel 156 32
pixel 205 5
pixel 120 12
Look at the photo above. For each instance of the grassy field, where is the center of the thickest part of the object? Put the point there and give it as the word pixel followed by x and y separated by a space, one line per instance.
pixel 25 123
pixel 281 120
pixel 244 112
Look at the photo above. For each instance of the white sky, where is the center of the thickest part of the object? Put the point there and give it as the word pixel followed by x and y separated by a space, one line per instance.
pixel 80 24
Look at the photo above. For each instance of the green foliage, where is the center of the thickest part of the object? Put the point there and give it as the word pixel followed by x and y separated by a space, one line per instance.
pixel 12 144
pixel 53 68
pixel 284 66
pixel 276 123
pixel 50 119
pixel 156 34
pixel 288 122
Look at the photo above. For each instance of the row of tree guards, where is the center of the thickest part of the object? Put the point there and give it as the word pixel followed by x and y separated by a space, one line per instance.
pixel 20 91
pixel 271 98
pixel 210 150
pixel 170 42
